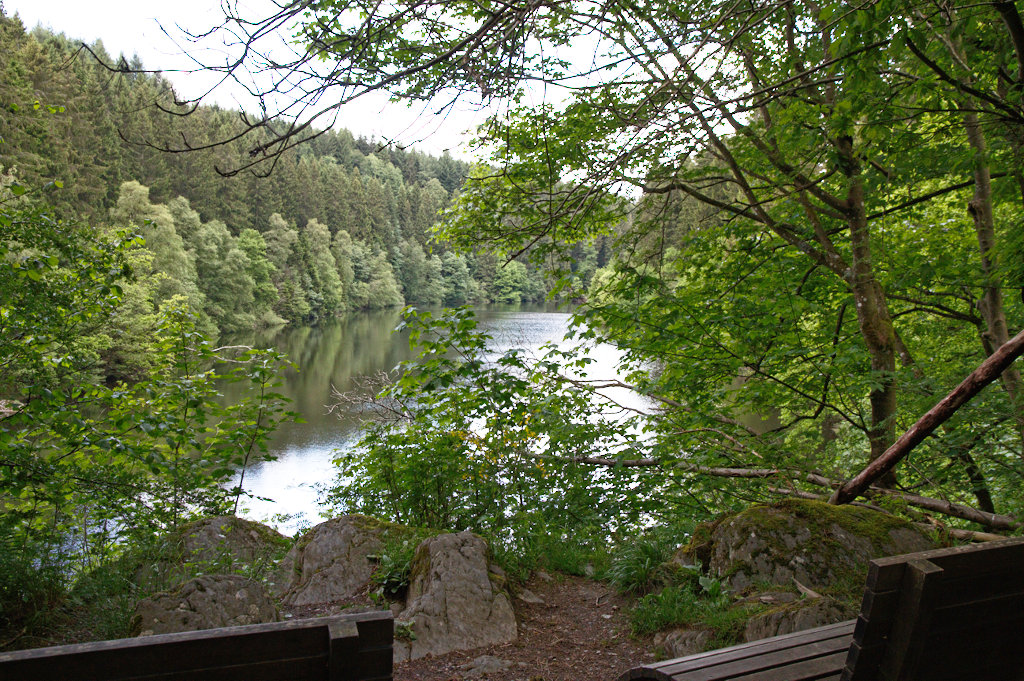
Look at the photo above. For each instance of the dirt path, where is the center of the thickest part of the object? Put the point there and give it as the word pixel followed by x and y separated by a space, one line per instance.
pixel 580 632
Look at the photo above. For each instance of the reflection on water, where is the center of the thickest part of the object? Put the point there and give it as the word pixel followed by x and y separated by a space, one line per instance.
pixel 336 355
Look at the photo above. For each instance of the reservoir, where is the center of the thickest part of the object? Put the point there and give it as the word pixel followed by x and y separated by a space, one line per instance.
pixel 336 355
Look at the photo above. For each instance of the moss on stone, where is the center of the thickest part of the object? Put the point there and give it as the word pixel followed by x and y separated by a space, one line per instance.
pixel 824 547
pixel 698 550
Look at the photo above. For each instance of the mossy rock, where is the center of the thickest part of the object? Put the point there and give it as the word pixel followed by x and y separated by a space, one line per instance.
pixel 823 547
pixel 797 616
pixel 336 559
pixel 219 545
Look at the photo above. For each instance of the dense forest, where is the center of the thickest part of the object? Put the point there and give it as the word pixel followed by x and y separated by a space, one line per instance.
pixel 800 223
pixel 341 224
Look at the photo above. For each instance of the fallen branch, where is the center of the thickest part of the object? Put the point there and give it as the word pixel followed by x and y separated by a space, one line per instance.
pixel 963 535
pixel 953 509
pixel 950 508
pixel 987 372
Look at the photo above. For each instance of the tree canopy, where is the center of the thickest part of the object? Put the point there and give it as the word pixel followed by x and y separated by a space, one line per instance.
pixel 818 205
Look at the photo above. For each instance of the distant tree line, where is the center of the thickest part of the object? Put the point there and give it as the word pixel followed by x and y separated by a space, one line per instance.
pixel 340 225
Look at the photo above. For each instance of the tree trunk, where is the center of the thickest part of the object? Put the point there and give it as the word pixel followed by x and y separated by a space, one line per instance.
pixel 873 317
pixel 996 333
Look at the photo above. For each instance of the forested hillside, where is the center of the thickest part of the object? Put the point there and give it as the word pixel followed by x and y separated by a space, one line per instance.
pixel 341 224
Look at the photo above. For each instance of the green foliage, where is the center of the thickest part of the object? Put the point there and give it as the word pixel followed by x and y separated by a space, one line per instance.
pixel 568 554
pixel 684 606
pixel 822 231
pixel 87 467
pixel 385 201
pixel 393 570
pixel 473 440
pixel 643 563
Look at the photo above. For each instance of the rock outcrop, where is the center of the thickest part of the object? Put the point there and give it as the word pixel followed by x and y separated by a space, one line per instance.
pixel 797 564
pixel 682 641
pixel 800 615
pixel 333 560
pixel 822 547
pixel 205 602
pixel 221 545
pixel 456 601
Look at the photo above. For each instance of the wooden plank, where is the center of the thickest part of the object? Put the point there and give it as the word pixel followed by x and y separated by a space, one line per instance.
pixel 859 659
pixel 344 645
pixel 116 659
pixel 265 652
pixel 968 590
pixel 265 670
pixel 764 661
pixel 875 622
pixel 958 561
pixel 998 661
pixel 841 630
pixel 271 670
pixel 979 636
pixel 884 576
pixel 922 580
pixel 816 669
pixel 968 617
pixel 146 641
pixel 376 637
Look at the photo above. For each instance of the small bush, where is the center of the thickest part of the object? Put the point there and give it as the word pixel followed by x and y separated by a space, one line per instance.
pixel 672 606
pixel 643 564
pixel 571 555
pixel 28 595
pixel 394 562
pixel 707 605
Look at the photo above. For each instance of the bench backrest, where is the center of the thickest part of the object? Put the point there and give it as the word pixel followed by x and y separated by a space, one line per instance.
pixel 341 648
pixel 943 615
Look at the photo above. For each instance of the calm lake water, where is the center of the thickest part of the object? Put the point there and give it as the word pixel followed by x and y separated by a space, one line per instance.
pixel 337 355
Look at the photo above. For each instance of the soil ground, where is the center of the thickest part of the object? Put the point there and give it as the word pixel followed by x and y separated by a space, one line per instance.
pixel 579 633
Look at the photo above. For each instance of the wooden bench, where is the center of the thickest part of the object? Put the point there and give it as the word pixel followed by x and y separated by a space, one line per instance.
pixel 341 648
pixel 945 615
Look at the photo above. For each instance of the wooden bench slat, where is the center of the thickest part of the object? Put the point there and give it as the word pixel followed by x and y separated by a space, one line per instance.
pixel 816 669
pixel 984 663
pixel 908 634
pixel 991 585
pixel 974 560
pixel 342 648
pixel 762 654
pixel 271 670
pixel 842 629
pixel 176 656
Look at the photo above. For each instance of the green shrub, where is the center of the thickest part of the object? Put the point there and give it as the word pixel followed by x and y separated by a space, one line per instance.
pixel 643 564
pixel 672 606
pixel 703 601
pixel 574 554
pixel 394 562
pixel 28 594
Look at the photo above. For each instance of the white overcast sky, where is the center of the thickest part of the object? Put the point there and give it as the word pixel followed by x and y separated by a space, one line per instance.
pixel 134 27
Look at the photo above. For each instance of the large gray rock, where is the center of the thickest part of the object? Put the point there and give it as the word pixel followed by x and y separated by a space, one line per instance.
pixel 455 601
pixel 220 545
pixel 205 602
pixel 807 614
pixel 823 547
pixel 682 642
pixel 332 560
